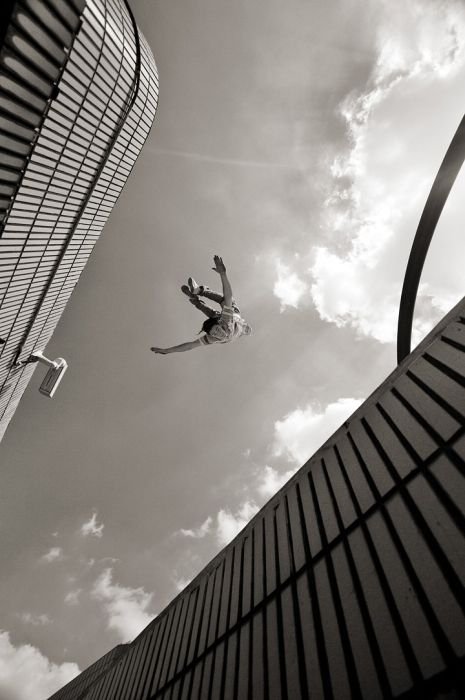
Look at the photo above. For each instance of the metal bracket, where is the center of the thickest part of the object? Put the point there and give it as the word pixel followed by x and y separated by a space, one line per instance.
pixel 57 368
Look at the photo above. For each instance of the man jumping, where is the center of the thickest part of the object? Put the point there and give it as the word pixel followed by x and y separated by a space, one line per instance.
pixel 221 326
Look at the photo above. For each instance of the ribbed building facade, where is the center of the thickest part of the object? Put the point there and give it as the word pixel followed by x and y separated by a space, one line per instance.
pixel 349 583
pixel 78 94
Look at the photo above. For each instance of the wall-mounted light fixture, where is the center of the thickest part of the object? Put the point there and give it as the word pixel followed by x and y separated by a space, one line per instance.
pixel 57 368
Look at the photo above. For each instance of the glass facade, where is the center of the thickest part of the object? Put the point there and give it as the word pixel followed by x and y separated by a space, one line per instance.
pixel 78 95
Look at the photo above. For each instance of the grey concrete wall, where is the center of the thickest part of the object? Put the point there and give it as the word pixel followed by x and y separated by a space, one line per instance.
pixel 349 582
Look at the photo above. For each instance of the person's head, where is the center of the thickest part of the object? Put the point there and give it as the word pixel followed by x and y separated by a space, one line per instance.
pixel 208 324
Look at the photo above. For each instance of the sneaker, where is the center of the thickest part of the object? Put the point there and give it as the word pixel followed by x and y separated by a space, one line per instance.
pixel 194 287
pixel 187 291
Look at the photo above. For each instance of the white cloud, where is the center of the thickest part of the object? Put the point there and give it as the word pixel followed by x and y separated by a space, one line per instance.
pixel 301 433
pixel 229 524
pixel 91 528
pixel 54 554
pixel 270 481
pixel 72 598
pixel 35 620
pixel 381 183
pixel 417 41
pixel 223 526
pixel 348 292
pixel 418 38
pixel 180 583
pixel 127 608
pixel 199 532
pixel 289 288
pixel 26 674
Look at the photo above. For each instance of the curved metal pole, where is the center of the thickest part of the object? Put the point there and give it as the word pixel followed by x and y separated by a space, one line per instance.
pixel 442 185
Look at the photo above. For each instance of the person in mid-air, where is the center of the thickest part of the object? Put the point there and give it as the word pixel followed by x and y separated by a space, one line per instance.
pixel 221 326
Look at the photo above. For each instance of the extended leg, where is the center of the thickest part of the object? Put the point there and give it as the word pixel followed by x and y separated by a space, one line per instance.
pixel 214 296
pixel 210 294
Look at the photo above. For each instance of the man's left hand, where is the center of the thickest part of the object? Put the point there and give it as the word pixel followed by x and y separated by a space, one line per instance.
pixel 220 267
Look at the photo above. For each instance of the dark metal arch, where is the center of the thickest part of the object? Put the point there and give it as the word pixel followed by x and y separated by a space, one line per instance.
pixel 442 185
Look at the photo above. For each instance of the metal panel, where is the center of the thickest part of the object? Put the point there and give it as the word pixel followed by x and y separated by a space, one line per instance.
pixel 349 582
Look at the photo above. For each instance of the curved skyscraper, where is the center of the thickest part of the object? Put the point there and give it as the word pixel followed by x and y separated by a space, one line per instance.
pixel 78 94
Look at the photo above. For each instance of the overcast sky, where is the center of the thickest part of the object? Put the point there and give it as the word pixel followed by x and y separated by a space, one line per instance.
pixel 299 140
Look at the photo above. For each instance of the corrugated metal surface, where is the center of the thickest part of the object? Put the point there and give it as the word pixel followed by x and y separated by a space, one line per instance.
pixel 349 582
pixel 91 88
pixel 79 685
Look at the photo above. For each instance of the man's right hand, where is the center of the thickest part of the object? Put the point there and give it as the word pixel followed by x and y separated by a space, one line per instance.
pixel 160 351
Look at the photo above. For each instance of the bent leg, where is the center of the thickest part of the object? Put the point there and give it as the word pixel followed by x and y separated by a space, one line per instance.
pixel 208 294
pixel 204 308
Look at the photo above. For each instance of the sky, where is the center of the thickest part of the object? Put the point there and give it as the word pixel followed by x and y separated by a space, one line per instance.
pixel 299 141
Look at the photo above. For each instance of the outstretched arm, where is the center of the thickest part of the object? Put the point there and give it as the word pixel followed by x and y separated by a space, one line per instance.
pixel 178 348
pixel 221 270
